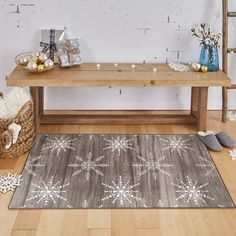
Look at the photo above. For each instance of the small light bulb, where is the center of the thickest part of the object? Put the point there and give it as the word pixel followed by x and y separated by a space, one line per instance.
pixel 154 69
pixel 98 65
pixel 133 66
pixel 115 64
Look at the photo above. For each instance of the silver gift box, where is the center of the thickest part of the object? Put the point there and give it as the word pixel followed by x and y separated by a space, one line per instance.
pixel 60 35
pixel 69 53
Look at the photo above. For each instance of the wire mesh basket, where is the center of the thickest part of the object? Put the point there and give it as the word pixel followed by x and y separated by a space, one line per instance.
pixel 24 58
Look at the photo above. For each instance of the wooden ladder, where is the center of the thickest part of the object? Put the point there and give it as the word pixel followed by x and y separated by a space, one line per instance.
pixel 226 51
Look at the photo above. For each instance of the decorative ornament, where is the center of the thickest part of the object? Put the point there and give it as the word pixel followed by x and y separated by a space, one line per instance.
pixel 34 58
pixel 10 136
pixel 7 137
pixel 23 61
pixel 232 154
pixel 15 129
pixel 9 182
pixel 48 63
pixel 195 67
pixel 179 67
pixel 32 66
pixel 36 54
pixel 40 68
pixel 204 69
pixel 42 57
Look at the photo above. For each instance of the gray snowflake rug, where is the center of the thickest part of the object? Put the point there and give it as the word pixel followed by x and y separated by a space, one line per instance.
pixel 120 171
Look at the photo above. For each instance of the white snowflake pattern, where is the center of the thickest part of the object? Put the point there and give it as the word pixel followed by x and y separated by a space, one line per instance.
pixel 155 166
pixel 121 192
pixel 59 144
pixel 232 154
pixel 118 144
pixel 161 203
pixel 85 204
pixel 207 164
pixel 175 143
pixel 192 191
pixel 31 166
pixel 48 192
pixel 88 165
pixel 9 182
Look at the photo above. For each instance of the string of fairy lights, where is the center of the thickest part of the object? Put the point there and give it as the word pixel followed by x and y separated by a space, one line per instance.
pixel 133 67
pixel 175 66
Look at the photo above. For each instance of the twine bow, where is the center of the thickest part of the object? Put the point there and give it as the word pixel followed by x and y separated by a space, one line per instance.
pixel 51 46
pixel 70 48
pixel 66 46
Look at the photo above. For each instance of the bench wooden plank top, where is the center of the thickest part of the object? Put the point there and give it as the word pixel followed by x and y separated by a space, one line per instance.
pixel 122 75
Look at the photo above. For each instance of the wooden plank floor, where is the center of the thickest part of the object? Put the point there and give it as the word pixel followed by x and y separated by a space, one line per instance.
pixel 159 222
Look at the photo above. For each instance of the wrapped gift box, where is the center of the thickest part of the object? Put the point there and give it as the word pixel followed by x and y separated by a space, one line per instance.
pixel 50 39
pixel 69 53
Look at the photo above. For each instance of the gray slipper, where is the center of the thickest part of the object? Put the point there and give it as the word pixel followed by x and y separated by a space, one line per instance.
pixel 210 141
pixel 225 140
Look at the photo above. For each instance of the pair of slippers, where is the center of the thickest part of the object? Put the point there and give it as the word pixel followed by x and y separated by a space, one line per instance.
pixel 215 141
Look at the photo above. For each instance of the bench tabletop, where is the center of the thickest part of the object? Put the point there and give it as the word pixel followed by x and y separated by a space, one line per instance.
pixel 121 75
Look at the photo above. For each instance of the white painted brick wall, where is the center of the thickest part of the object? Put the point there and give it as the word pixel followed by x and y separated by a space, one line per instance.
pixel 114 31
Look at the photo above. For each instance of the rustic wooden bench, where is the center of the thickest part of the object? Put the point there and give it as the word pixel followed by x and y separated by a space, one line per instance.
pixel 122 75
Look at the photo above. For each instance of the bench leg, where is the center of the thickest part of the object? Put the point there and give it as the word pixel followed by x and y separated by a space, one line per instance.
pixel 224 104
pixel 194 101
pixel 202 108
pixel 41 101
pixel 37 96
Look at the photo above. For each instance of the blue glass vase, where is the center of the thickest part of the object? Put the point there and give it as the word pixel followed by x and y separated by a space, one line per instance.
pixel 209 57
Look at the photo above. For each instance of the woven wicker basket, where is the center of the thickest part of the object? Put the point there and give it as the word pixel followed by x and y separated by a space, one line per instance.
pixel 25 118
